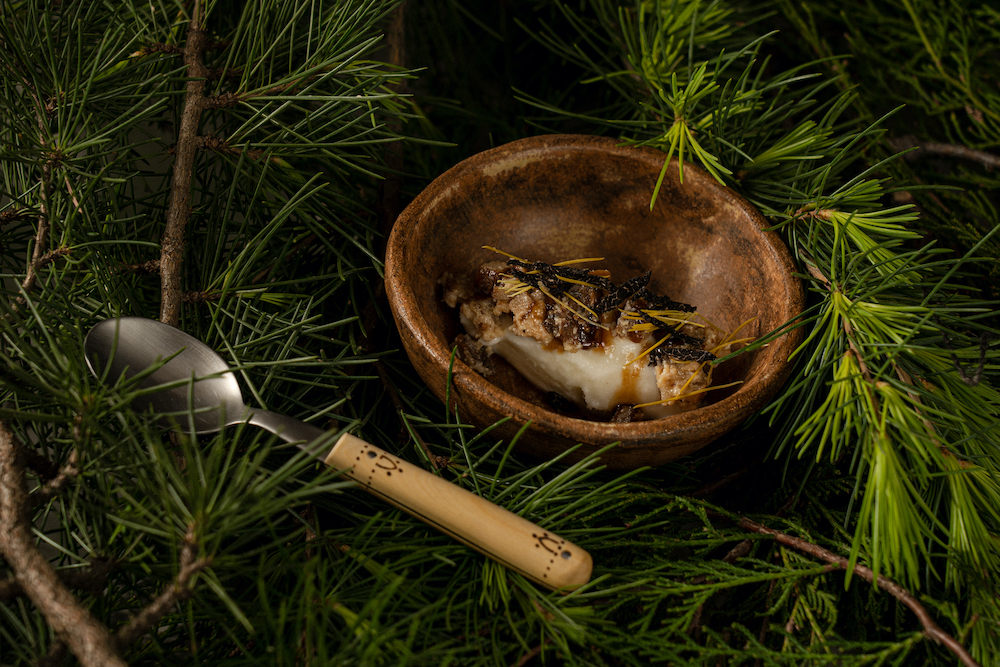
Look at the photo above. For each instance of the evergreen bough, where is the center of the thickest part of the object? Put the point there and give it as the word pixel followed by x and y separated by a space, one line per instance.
pixel 232 168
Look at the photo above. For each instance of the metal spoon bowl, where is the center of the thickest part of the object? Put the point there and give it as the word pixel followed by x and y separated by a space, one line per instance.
pixel 193 374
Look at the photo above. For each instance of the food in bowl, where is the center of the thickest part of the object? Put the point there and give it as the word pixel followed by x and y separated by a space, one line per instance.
pixel 612 351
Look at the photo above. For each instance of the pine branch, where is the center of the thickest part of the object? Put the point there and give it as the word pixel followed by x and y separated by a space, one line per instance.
pixel 917 149
pixel 92 579
pixel 42 233
pixel 278 251
pixel 931 628
pixel 54 484
pixel 178 590
pixel 188 141
pixel 85 636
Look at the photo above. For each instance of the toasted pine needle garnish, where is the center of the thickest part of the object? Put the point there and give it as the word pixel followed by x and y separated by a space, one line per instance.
pixel 565 305
pixel 730 342
pixel 681 397
pixel 573 280
pixel 584 260
pixel 737 329
pixel 501 252
pixel 648 350
pixel 708 323
pixel 666 316
pixel 512 286
pixel 586 307
pixel 701 369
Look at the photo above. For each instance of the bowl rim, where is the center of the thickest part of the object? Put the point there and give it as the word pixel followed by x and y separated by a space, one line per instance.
pixel 720 415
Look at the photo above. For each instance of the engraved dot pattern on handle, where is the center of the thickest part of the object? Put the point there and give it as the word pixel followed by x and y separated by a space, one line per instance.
pixel 554 545
pixel 383 463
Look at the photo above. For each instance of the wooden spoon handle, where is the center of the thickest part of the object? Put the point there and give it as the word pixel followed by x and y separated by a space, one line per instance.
pixel 520 545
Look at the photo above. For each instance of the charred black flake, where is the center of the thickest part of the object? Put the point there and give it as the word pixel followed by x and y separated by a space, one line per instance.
pixel 623 292
pixel 679 353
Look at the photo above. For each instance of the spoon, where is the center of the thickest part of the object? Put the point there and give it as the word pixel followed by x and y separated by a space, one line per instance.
pixel 194 372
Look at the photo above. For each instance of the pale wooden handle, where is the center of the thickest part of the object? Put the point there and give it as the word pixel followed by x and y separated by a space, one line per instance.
pixel 538 554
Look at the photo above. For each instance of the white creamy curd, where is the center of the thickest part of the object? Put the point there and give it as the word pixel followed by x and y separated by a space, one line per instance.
pixel 599 378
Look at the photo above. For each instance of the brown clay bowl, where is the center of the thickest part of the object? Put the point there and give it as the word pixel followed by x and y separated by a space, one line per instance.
pixel 560 197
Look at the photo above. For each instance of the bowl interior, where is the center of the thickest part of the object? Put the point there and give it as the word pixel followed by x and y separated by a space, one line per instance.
pixel 557 198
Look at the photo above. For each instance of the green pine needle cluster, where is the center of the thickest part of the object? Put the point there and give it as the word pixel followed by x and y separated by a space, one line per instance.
pixel 865 134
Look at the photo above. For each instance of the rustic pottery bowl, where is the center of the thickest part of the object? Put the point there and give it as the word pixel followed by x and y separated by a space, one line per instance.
pixel 560 197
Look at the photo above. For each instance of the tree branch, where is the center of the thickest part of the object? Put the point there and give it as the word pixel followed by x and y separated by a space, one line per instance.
pixel 931 629
pixel 222 146
pixel 55 482
pixel 179 589
pixel 13 215
pixel 920 149
pixel 85 636
pixel 179 209
pixel 143 268
pixel 35 578
pixel 92 579
pixel 42 232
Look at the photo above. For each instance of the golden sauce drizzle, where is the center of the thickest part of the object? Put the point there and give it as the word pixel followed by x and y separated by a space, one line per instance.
pixel 628 393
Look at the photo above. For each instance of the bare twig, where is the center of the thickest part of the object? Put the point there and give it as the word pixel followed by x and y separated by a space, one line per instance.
pixel 220 145
pixel 158 47
pixel 179 589
pixel 44 222
pixel 85 636
pixel 179 209
pixel 72 194
pixel 35 578
pixel 931 629
pixel 737 552
pixel 198 296
pixel 45 468
pixel 13 215
pixel 66 472
pixel 222 101
pixel 55 482
pixel 922 149
pixel 92 579
pixel 42 232
pixel 143 268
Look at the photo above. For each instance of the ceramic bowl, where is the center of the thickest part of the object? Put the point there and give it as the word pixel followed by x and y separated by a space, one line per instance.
pixel 560 197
